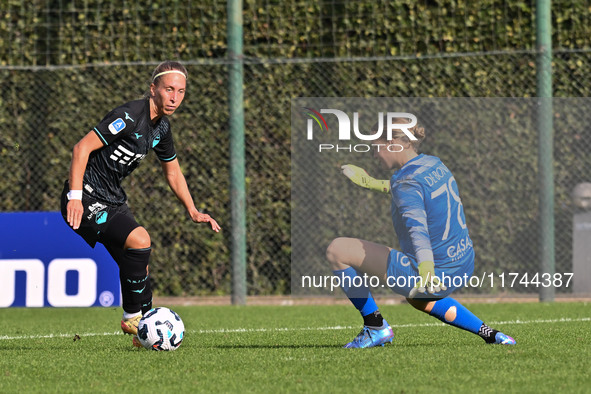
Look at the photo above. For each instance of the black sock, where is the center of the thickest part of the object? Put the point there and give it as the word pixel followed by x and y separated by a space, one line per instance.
pixel 147 297
pixel 487 333
pixel 135 281
pixel 374 319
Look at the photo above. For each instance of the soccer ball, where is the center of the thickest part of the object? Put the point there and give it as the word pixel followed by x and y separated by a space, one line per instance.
pixel 161 329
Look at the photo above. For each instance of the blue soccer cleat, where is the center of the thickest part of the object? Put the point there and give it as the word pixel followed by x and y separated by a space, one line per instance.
pixel 370 337
pixel 502 339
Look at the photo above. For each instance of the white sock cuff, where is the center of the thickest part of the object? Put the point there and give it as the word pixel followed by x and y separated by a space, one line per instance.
pixel 128 316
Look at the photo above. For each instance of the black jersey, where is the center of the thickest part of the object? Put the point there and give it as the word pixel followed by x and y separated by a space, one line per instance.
pixel 128 134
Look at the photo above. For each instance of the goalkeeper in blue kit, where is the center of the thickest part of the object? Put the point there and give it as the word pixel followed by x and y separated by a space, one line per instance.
pixel 435 245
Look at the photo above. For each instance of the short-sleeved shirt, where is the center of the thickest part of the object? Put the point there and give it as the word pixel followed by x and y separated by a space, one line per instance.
pixel 128 134
pixel 428 215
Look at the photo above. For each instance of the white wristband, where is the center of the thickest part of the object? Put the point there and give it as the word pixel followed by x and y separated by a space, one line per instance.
pixel 75 195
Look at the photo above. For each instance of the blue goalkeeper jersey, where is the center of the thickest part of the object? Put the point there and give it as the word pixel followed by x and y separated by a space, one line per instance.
pixel 428 215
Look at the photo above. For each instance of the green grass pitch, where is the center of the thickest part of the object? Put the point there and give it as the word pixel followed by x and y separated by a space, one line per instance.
pixel 297 349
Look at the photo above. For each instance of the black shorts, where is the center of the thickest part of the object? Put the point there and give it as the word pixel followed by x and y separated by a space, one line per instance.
pixel 101 222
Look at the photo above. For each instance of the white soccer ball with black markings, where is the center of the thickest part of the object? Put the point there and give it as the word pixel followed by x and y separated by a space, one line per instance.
pixel 161 329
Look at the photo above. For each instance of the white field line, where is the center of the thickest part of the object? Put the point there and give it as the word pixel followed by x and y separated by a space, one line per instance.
pixel 294 329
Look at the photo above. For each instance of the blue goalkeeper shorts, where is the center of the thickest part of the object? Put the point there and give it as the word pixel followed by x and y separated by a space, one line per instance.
pixel 403 274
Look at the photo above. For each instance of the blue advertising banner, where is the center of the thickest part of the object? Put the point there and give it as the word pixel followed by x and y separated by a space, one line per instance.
pixel 44 263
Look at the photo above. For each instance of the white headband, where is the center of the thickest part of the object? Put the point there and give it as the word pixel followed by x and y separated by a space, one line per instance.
pixel 169 72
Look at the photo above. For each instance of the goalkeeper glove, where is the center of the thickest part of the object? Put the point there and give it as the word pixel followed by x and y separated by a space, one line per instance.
pixel 428 283
pixel 360 177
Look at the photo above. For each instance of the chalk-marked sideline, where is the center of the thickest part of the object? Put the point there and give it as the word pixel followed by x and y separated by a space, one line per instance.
pixel 289 329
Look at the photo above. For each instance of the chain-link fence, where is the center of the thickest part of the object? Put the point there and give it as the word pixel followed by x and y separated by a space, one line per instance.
pixel 55 86
pixel 45 112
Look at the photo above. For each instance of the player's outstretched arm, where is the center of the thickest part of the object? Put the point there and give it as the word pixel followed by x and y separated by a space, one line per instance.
pixel 360 177
pixel 199 217
pixel 177 182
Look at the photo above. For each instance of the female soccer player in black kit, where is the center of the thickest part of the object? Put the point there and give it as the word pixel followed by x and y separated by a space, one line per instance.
pixel 93 201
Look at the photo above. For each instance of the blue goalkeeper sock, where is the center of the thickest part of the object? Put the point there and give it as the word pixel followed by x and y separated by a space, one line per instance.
pixel 360 296
pixel 450 311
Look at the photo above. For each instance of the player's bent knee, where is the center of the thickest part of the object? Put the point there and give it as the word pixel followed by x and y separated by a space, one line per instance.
pixel 334 253
pixel 138 239
pixel 425 306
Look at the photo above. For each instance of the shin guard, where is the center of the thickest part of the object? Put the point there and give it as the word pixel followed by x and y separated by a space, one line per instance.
pixel 135 281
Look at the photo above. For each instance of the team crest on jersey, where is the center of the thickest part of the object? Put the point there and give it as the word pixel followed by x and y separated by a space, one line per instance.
pixel 116 126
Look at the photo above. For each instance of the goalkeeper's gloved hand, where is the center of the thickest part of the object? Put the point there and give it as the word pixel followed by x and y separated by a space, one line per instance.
pixel 360 177
pixel 429 283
